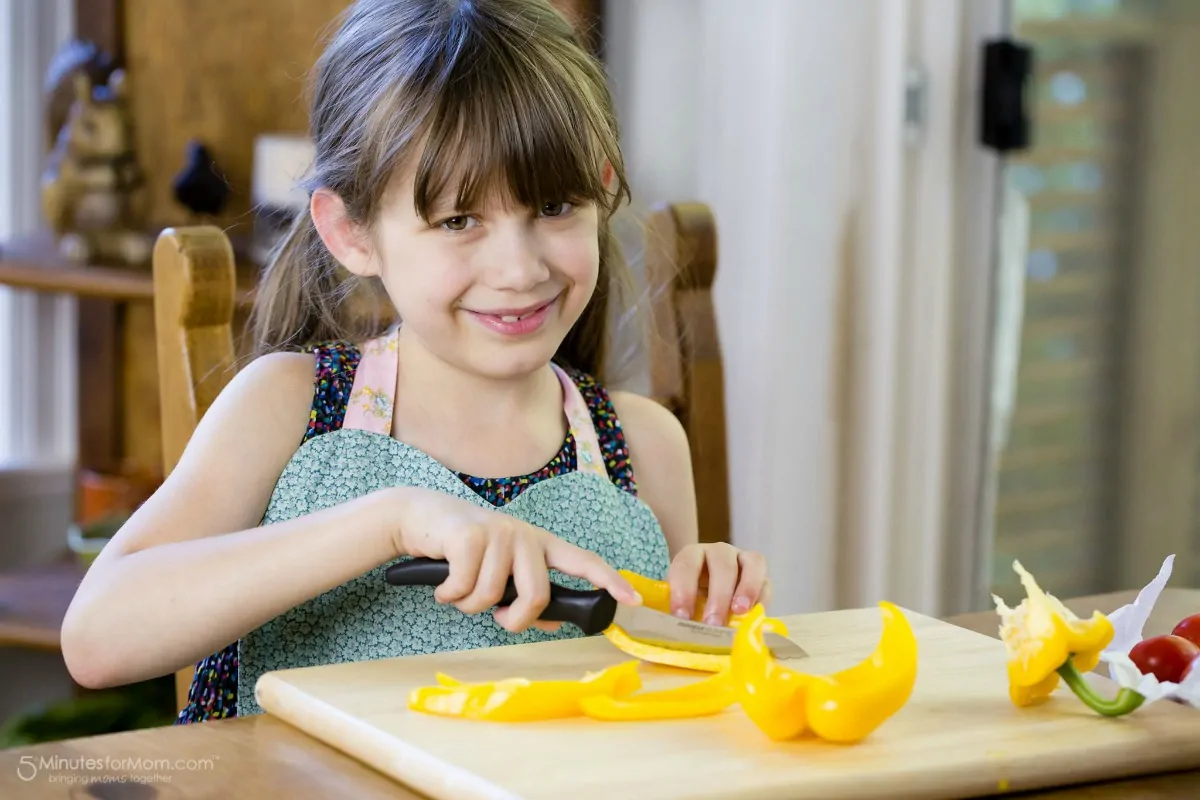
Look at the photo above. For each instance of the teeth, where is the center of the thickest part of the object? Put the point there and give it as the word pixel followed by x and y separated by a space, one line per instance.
pixel 509 318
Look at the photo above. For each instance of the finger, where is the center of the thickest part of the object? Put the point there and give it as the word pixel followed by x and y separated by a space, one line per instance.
pixel 492 579
pixel 721 561
pixel 548 627
pixel 576 561
pixel 464 558
pixel 683 576
pixel 766 595
pixel 533 587
pixel 751 582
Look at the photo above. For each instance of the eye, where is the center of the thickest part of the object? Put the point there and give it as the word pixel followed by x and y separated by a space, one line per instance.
pixel 556 209
pixel 457 224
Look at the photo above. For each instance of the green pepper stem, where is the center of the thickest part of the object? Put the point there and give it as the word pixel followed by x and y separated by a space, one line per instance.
pixel 1127 700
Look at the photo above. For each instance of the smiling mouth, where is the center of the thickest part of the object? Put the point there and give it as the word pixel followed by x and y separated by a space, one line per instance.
pixel 517 317
pixel 515 322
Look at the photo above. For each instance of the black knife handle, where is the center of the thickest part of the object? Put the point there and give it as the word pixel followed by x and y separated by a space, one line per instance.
pixel 592 610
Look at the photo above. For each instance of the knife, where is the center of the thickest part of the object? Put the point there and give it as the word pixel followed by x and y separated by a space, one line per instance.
pixel 593 611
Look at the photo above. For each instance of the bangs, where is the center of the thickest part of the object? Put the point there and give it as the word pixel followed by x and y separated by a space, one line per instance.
pixel 519 127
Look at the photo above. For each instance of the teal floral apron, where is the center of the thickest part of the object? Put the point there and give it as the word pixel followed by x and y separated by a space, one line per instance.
pixel 366 618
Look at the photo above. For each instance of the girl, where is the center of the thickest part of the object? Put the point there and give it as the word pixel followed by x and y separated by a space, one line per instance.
pixel 467 168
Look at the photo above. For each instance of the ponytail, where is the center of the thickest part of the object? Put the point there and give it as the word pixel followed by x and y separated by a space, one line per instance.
pixel 587 345
pixel 304 296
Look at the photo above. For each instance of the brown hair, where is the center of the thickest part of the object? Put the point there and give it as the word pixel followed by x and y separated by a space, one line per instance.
pixel 479 97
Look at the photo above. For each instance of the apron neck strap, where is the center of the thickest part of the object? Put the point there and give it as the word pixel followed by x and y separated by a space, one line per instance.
pixel 372 400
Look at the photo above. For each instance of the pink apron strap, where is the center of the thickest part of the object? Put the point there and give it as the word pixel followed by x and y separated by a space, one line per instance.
pixel 587 443
pixel 371 397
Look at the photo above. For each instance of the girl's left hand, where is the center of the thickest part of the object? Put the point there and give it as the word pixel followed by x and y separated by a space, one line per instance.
pixel 735 580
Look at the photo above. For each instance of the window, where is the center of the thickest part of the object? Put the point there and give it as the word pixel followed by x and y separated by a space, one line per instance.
pixel 36 331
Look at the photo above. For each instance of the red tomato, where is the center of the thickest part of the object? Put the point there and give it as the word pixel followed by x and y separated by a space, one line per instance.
pixel 1189 629
pixel 1168 657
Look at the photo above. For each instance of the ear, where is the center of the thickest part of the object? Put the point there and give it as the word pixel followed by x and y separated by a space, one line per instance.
pixel 346 240
pixel 608 175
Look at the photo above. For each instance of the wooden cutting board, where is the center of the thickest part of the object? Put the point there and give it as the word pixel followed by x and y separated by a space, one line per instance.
pixel 959 736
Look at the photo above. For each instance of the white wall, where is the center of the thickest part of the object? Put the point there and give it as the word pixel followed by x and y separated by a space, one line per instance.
pixel 853 277
pixel 754 108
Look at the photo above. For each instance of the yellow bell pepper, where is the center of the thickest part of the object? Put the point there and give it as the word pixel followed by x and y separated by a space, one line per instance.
pixel 773 696
pixel 656 595
pixel 697 699
pixel 843 707
pixel 684 659
pixel 519 699
pixel 848 705
pixel 1045 641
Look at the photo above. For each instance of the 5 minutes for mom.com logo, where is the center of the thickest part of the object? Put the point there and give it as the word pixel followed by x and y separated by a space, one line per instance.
pixel 123 770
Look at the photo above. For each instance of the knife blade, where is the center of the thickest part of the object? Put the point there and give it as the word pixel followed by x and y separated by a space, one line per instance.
pixel 594 610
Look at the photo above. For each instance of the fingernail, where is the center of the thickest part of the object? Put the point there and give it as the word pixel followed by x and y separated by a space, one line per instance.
pixel 637 597
pixel 682 613
pixel 741 605
pixel 712 619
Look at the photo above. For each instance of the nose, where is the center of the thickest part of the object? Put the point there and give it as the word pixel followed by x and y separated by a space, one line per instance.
pixel 514 261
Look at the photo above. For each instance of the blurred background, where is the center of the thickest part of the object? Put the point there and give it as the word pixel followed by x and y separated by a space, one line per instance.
pixel 957 292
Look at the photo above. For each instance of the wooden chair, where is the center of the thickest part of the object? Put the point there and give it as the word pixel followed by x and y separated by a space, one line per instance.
pixel 686 373
pixel 194 302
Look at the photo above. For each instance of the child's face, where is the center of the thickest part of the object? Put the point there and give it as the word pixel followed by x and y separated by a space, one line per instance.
pixel 492 290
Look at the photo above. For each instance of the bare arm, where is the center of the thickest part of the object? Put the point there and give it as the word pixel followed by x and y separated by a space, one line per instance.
pixel 662 462
pixel 733 580
pixel 191 571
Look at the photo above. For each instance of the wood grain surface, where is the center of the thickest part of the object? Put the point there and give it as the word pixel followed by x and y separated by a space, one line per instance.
pixel 263 756
pixel 959 736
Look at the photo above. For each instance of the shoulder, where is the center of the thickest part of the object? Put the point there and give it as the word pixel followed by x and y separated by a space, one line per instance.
pixel 254 425
pixel 233 459
pixel 275 389
pixel 649 426
pixel 658 445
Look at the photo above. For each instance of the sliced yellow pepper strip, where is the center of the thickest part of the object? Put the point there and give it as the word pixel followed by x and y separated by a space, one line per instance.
pixel 774 697
pixel 843 707
pixel 684 659
pixel 846 706
pixel 697 699
pixel 1045 641
pixel 519 699
pixel 657 595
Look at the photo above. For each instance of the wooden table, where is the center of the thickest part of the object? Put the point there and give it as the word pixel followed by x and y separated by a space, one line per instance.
pixel 261 756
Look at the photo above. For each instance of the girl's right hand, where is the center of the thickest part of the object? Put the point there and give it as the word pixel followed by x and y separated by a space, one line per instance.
pixel 485 548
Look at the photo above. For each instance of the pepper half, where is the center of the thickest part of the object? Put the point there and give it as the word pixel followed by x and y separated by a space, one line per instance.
pixel 1045 641
pixel 522 700
pixel 697 699
pixel 843 707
